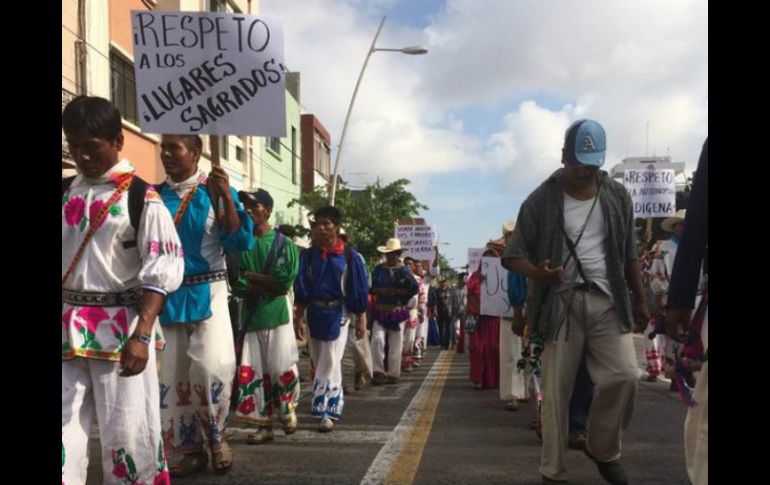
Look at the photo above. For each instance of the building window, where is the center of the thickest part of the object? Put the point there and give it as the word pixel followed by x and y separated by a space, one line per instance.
pixel 293 155
pixel 239 153
pixel 274 144
pixel 123 87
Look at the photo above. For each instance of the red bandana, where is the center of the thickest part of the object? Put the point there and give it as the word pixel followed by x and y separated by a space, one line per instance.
pixel 338 248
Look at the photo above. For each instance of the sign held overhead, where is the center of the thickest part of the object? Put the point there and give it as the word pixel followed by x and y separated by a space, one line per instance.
pixel 214 73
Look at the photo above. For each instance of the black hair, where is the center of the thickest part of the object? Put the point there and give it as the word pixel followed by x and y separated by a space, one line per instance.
pixel 192 142
pixel 408 259
pixel 95 115
pixel 329 212
pixel 568 152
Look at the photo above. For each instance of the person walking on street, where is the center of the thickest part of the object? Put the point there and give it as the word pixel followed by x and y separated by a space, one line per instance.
pixel 121 258
pixel 331 285
pixel 393 286
pixel 198 363
pixel 268 377
pixel 575 241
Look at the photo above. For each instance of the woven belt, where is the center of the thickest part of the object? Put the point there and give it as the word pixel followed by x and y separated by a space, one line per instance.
pixel 588 286
pixel 211 277
pixel 91 298
pixel 326 303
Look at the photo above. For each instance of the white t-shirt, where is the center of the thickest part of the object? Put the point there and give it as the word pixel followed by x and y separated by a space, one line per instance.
pixel 590 249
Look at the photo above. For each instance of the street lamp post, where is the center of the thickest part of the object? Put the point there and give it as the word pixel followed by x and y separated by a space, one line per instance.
pixel 415 50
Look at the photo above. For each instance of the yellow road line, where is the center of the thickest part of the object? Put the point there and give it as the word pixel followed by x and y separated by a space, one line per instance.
pixel 405 466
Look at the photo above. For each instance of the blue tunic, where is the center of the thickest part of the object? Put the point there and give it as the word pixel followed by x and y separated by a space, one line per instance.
pixel 323 281
pixel 192 303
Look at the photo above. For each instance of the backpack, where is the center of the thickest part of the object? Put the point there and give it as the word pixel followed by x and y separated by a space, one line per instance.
pixel 136 193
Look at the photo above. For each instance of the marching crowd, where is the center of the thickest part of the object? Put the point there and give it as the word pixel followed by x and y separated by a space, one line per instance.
pixel 182 305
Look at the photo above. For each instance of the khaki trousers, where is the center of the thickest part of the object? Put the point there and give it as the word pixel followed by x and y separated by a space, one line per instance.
pixel 586 322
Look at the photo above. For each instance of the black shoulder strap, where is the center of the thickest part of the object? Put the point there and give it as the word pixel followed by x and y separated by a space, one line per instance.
pixel 136 192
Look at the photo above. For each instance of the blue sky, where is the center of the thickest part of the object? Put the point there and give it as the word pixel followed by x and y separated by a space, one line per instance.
pixel 478 122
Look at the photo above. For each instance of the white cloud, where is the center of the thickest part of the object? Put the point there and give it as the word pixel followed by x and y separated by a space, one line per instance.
pixel 624 64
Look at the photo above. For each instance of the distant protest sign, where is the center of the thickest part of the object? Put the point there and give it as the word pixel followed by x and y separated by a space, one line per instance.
pixel 652 190
pixel 417 242
pixel 494 289
pixel 474 258
pixel 214 73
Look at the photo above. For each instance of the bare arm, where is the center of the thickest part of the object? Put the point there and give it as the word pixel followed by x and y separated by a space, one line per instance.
pixel 220 187
pixel 133 358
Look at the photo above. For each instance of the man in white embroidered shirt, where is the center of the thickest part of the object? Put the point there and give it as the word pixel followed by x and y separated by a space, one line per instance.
pixel 121 257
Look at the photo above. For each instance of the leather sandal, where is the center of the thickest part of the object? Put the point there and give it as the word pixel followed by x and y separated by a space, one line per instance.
pixel 189 464
pixel 222 460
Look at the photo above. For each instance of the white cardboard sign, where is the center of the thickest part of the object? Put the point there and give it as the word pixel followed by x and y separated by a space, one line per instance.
pixel 474 258
pixel 494 289
pixel 417 241
pixel 652 190
pixel 206 72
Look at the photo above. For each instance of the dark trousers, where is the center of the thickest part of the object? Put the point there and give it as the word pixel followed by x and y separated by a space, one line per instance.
pixel 444 329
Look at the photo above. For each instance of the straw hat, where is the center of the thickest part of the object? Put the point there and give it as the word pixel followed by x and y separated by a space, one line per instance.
pixel 669 222
pixel 508 227
pixel 391 246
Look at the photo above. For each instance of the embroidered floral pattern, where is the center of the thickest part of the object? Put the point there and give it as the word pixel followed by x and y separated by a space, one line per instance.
pixel 248 385
pixel 163 477
pixel 247 406
pixel 152 195
pixel 246 375
pixel 120 327
pixel 123 467
pixel 74 210
pixel 88 318
pixel 285 393
pixel 160 247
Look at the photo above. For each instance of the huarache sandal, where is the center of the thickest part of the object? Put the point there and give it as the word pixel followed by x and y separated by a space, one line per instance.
pixel 222 460
pixel 189 464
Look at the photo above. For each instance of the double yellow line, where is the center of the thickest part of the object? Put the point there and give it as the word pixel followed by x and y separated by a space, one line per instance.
pixel 404 468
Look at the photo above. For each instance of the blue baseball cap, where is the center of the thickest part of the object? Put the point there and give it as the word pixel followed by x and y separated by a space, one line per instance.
pixel 585 143
pixel 260 195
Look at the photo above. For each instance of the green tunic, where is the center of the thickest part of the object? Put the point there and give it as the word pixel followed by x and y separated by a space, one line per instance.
pixel 271 311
